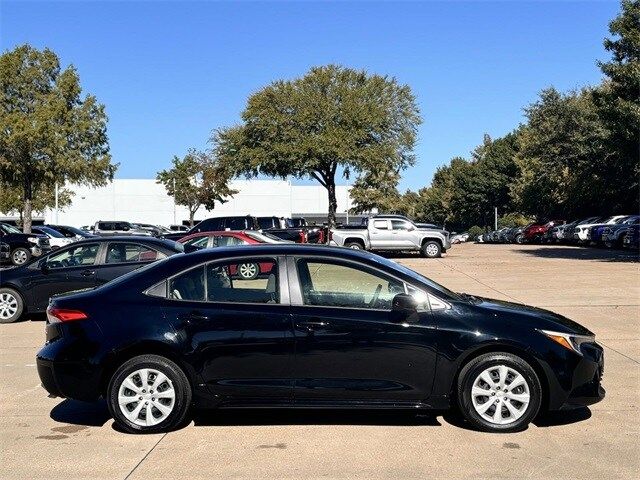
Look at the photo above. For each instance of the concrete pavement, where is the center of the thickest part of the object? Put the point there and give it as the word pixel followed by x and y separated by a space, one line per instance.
pixel 53 438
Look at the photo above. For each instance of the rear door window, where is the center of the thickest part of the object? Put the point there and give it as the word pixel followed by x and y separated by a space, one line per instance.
pixel 381 224
pixel 131 252
pixel 79 255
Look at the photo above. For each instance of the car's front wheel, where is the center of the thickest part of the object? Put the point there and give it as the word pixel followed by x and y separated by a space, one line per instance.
pixel 499 392
pixel 149 394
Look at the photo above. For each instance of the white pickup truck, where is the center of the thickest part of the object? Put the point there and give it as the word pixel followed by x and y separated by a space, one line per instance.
pixel 392 233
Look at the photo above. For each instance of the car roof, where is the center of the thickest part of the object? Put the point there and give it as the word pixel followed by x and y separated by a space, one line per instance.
pixel 127 238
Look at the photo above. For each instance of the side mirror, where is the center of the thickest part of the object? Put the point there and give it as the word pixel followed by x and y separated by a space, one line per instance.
pixel 404 308
pixel 44 267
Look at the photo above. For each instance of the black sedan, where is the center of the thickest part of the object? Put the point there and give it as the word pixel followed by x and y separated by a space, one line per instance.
pixel 326 327
pixel 83 264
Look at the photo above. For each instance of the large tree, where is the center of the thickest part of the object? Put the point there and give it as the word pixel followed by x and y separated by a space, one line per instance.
pixel 12 202
pixel 48 131
pixel 196 180
pixel 331 121
pixel 618 105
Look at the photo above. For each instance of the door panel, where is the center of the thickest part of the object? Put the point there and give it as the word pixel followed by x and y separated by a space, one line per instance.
pixel 380 234
pixel 347 354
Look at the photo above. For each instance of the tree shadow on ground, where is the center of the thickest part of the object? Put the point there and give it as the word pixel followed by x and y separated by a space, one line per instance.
pixel 577 253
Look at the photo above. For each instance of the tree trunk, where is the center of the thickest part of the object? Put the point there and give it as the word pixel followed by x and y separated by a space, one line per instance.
pixel 333 204
pixel 191 215
pixel 28 207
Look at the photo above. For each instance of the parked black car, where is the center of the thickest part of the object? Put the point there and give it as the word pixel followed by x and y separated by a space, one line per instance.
pixel 297 231
pixel 217 224
pixel 23 246
pixel 72 232
pixel 327 327
pixel 83 264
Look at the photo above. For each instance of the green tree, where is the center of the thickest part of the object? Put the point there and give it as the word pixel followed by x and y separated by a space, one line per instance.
pixel 12 202
pixel 196 180
pixel 48 131
pixel 332 121
pixel 376 190
pixel 562 157
pixel 618 105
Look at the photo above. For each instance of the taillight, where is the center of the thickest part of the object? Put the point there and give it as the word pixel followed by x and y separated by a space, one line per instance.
pixel 303 236
pixel 57 315
pixel 320 236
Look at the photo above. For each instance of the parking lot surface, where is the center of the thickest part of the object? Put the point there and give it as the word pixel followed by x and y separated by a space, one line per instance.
pixel 48 438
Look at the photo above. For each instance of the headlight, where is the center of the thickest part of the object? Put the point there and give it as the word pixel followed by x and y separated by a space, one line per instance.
pixel 568 340
pixel 32 239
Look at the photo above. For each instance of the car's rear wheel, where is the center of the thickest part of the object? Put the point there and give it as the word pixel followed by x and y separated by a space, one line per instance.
pixel 499 392
pixel 149 394
pixel 354 245
pixel 431 249
pixel 11 305
pixel 20 256
pixel 520 238
pixel 248 271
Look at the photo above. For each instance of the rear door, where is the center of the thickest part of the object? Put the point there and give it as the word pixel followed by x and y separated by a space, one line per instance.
pixel 120 257
pixel 71 268
pixel 238 332
pixel 380 234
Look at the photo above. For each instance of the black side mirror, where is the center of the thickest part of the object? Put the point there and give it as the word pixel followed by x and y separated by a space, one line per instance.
pixel 404 308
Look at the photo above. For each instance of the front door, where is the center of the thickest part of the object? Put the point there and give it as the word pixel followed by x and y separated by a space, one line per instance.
pixel 239 330
pixel 71 268
pixel 348 345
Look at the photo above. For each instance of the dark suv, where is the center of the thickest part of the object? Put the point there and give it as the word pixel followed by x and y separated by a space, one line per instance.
pixel 218 224
pixel 23 246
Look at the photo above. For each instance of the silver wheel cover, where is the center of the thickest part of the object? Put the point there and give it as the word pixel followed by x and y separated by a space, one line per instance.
pixel 19 257
pixel 500 395
pixel 248 270
pixel 432 250
pixel 8 305
pixel 146 397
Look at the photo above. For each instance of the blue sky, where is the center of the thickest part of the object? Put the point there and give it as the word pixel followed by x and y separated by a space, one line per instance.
pixel 171 72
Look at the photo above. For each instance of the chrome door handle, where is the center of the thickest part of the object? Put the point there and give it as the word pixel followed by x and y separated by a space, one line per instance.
pixel 88 273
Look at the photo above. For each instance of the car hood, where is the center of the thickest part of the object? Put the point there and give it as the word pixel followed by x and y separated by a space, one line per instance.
pixel 536 317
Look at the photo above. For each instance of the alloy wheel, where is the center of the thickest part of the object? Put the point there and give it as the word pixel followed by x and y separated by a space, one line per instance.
pixel 432 250
pixel 248 271
pixel 19 257
pixel 500 395
pixel 8 305
pixel 146 397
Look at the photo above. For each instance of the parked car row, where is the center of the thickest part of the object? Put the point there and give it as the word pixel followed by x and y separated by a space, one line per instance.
pixel 617 231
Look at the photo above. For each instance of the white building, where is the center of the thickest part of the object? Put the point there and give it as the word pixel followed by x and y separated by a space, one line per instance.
pixel 145 201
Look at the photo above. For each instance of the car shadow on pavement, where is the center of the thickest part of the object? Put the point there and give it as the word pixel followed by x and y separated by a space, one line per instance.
pixel 91 414
pixel 251 417
pixel 563 417
pixel 577 253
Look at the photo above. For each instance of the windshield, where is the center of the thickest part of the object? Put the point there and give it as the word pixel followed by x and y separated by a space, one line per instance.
pixel 50 231
pixel 415 275
pixel 9 228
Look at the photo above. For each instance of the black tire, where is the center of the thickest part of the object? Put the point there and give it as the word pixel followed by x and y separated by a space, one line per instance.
pixel 354 245
pixel 179 382
pixel 470 373
pixel 248 271
pixel 10 300
pixel 431 249
pixel 20 256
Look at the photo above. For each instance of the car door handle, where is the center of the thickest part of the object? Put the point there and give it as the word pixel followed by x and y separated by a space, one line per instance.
pixel 311 324
pixel 194 318
pixel 88 273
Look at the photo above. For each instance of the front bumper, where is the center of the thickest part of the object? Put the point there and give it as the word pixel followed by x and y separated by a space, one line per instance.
pixel 583 383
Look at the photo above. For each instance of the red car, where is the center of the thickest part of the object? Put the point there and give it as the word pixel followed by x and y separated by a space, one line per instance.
pixel 534 232
pixel 246 271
